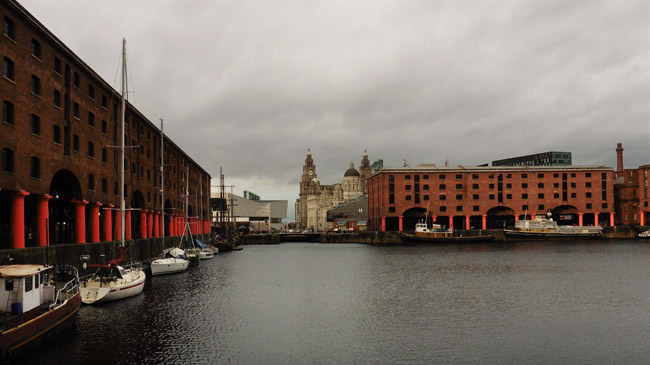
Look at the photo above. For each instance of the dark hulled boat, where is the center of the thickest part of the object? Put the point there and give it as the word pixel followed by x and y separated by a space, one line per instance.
pixel 39 303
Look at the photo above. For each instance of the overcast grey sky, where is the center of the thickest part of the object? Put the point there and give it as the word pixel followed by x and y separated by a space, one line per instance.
pixel 251 85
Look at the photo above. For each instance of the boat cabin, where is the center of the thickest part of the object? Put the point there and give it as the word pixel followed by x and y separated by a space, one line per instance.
pixel 22 288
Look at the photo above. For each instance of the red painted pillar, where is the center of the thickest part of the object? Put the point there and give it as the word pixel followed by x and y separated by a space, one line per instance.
pixel 467 226
pixel 18 219
pixel 80 220
pixel 484 221
pixel 611 219
pixel 401 223
pixel 580 219
pixel 383 224
pixel 143 223
pixel 174 225
pixel 42 215
pixel 516 217
pixel 161 225
pixel 434 218
pixel 108 222
pixel 642 218
pixel 150 228
pixel 118 225
pixel 94 222
pixel 156 224
pixel 451 222
pixel 532 217
pixel 127 223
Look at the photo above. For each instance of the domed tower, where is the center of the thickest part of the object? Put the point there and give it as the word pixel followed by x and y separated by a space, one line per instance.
pixel 365 170
pixel 352 187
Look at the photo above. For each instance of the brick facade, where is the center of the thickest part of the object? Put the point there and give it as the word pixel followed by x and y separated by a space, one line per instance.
pixel 489 197
pixel 58 136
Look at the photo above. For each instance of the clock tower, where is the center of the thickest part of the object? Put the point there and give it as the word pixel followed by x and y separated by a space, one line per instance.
pixel 307 186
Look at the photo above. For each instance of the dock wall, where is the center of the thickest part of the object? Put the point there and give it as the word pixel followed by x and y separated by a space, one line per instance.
pixel 99 253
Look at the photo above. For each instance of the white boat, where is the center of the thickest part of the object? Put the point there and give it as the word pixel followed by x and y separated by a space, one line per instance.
pixel 173 261
pixel 204 251
pixel 644 235
pixel 544 227
pixel 114 281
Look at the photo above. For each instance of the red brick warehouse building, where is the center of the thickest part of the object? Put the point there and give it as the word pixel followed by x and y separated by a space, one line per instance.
pixel 59 175
pixel 489 197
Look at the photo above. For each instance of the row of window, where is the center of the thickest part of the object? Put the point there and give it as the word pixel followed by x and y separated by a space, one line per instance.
pixel 476 208
pixel 416 178
pixel 9 73
pixel 491 186
pixel 8 164
pixel 442 197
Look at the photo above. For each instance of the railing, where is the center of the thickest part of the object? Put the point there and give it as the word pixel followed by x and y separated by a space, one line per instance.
pixel 68 290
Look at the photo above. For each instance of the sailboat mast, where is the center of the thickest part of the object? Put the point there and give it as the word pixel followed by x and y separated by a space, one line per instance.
pixel 162 183
pixel 122 116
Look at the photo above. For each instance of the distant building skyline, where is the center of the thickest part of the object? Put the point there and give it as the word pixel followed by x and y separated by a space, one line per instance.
pixel 551 158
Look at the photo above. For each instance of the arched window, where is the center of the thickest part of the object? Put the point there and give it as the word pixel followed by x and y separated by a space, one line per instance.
pixel 91 182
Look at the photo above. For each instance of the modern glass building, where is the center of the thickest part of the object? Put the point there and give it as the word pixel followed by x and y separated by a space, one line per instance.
pixel 538 159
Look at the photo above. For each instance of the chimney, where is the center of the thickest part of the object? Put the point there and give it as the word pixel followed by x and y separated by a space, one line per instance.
pixel 619 157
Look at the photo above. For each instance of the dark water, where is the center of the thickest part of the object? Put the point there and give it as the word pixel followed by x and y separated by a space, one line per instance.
pixel 305 303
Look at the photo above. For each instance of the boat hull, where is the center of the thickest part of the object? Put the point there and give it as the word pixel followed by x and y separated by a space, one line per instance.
pixel 409 237
pixel 550 235
pixel 33 333
pixel 97 291
pixel 168 266
pixel 206 254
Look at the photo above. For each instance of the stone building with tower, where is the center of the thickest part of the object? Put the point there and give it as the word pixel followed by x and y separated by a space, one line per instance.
pixel 316 199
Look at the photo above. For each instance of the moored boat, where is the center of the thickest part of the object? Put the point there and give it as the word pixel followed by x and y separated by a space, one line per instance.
pixel 204 251
pixel 437 234
pixel 112 282
pixel 39 304
pixel 644 235
pixel 545 228
pixel 174 260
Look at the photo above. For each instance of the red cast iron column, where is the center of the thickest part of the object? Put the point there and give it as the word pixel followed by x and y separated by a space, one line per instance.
pixel 42 216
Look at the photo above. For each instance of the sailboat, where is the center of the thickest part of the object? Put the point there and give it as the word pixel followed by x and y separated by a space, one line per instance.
pixel 114 281
pixel 190 249
pixel 173 260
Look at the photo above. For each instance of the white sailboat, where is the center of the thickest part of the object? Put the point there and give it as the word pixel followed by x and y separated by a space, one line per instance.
pixel 173 260
pixel 114 281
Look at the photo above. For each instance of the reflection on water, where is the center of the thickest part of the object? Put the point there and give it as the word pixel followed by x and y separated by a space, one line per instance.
pixel 534 302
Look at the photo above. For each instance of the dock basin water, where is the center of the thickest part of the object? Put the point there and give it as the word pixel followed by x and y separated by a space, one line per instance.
pixel 310 303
